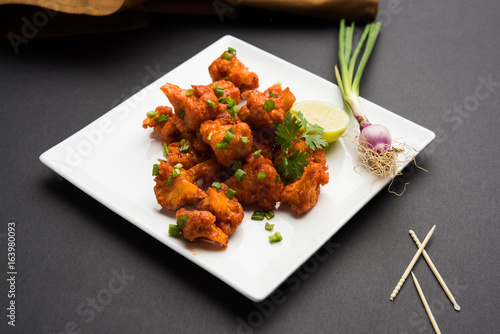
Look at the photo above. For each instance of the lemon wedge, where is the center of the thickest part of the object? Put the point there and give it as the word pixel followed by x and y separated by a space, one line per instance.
pixel 331 118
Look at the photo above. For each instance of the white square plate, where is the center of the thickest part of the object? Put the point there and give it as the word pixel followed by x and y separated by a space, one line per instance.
pixel 90 158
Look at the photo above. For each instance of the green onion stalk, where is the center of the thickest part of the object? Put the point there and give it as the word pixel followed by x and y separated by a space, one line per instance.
pixel 375 136
pixel 374 142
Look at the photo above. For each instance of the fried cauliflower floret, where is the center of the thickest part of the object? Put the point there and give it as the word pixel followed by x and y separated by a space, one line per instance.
pixel 181 192
pixel 263 140
pixel 284 98
pixel 166 129
pixel 266 192
pixel 200 224
pixel 210 170
pixel 191 111
pixel 255 113
pixel 302 195
pixel 228 211
pixel 234 71
pixel 230 90
pixel 213 132
pixel 184 153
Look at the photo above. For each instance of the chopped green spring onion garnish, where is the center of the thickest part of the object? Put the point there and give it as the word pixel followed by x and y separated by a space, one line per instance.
pixel 222 99
pixel 165 150
pixel 215 85
pixel 183 141
pixel 211 103
pixel 219 91
pixel 184 148
pixel 256 154
pixel 269 105
pixel 228 136
pixel 237 165
pixel 209 137
pixel 229 54
pixel 269 214
pixel 244 140
pixel 271 94
pixel 181 220
pixel 176 172
pixel 261 176
pixel 181 113
pixel 156 169
pixel 276 237
pixel 162 160
pixel 178 166
pixel 269 227
pixel 221 146
pixel 162 118
pixel 230 130
pixel 189 92
pixel 230 193
pixel 216 185
pixel 278 179
pixel 239 174
pixel 258 215
pixel 170 180
pixel 173 229
pixel 230 101
pixel 152 114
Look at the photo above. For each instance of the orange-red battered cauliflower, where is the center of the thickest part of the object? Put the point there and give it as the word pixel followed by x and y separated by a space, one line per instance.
pixel 166 129
pixel 213 132
pixel 210 170
pixel 263 192
pixel 302 195
pixel 184 154
pixel 191 111
pixel 200 224
pixel 229 212
pixel 255 113
pixel 234 71
pixel 181 192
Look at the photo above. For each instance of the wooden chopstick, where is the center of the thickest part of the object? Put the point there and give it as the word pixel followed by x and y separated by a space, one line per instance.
pixel 435 271
pixel 426 305
pixel 412 263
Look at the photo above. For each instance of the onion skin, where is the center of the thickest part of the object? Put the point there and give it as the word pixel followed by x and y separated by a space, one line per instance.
pixel 376 137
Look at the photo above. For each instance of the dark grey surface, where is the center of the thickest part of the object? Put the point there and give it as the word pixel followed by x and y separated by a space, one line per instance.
pixel 429 61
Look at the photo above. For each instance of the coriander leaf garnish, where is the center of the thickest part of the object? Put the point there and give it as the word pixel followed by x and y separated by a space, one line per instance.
pixel 287 135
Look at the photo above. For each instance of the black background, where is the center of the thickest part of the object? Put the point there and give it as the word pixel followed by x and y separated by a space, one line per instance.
pixel 427 65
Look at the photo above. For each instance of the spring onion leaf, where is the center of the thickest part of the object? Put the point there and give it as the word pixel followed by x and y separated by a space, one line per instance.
pixel 258 215
pixel 269 227
pixel 239 174
pixel 230 193
pixel 216 185
pixel 162 118
pixel 211 103
pixel 151 114
pixel 173 229
pixel 269 105
pixel 237 165
pixel 276 237
pixel 221 146
pixel 156 169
